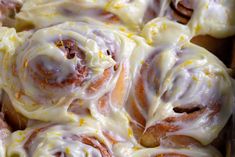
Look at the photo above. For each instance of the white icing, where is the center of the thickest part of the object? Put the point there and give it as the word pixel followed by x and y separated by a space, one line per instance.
pixel 187 75
pixel 163 32
pixel 37 13
pixel 59 138
pixel 129 150
pixel 8 40
pixel 4 133
pixel 2 150
pixel 130 12
pixel 40 103
pixel 192 152
pixel 8 43
pixel 215 18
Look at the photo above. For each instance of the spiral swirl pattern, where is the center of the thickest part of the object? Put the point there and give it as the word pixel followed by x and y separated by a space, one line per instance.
pixel 203 17
pixel 60 140
pixel 62 68
pixel 179 90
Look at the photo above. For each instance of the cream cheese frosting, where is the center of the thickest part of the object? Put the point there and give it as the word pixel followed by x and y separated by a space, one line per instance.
pixel 129 150
pixel 86 140
pixel 214 18
pixel 36 101
pixel 4 133
pixel 165 33
pixel 8 43
pixel 60 140
pixel 178 74
pixel 36 12
pixel 210 17
pixel 195 152
pixel 82 71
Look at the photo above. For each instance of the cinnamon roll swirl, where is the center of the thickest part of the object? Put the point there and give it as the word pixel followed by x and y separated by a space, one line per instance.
pixel 35 13
pixel 211 22
pixel 60 140
pixel 67 70
pixel 179 89
pixel 210 17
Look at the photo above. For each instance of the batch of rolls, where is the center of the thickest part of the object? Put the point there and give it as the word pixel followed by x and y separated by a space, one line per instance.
pixel 115 78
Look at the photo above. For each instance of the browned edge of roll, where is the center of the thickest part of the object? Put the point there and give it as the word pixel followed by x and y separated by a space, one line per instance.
pixel 13 118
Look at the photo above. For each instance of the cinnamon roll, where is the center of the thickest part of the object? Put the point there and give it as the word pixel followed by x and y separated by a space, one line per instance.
pixel 179 89
pixel 211 22
pixel 203 17
pixel 9 42
pixel 35 13
pixel 8 10
pixel 71 70
pixel 60 140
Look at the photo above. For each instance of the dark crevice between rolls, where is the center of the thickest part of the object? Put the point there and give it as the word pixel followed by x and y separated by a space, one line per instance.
pixel 222 48
pixel 186 110
pixel 181 13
